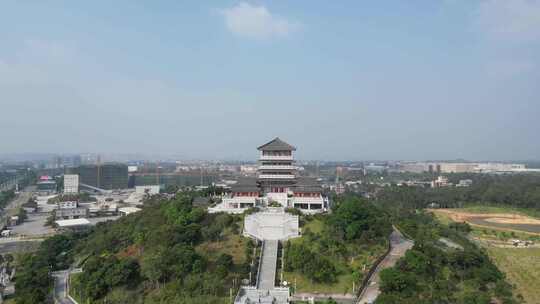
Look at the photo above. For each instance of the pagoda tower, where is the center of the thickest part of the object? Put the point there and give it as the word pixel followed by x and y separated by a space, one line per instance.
pixel 277 172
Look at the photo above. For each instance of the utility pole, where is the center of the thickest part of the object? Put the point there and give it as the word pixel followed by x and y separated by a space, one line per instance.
pixel 157 172
pixel 282 263
pixel 98 171
pixel 201 176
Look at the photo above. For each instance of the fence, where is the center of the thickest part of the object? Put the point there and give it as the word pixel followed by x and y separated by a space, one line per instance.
pixel 373 268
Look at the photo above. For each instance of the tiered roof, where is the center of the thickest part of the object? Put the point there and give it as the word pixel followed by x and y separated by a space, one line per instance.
pixel 276 144
pixel 307 184
pixel 246 184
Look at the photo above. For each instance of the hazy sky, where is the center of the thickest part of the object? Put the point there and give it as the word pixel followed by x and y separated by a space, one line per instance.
pixel 214 79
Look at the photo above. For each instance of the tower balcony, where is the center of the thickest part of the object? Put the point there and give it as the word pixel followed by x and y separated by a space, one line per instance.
pixel 277 176
pixel 276 157
pixel 277 167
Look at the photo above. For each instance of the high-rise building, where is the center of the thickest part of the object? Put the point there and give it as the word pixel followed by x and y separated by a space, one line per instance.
pixel 106 176
pixel 71 183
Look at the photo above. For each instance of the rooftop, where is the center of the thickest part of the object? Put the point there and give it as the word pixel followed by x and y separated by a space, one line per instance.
pixel 246 185
pixel 276 144
pixel 129 210
pixel 73 222
pixel 307 184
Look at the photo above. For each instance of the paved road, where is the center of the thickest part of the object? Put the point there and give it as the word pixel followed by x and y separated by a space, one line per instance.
pixel 15 245
pixel 60 285
pixel 15 204
pixel 399 245
pixel 267 277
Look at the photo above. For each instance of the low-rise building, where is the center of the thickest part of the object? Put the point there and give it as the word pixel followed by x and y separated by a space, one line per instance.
pixel 103 210
pixel 71 213
pixel 464 183
pixel 46 187
pixel 14 221
pixel 441 181
pixel 128 210
pixel 30 206
pixel 70 210
pixel 149 189
pixel 73 224
pixel 68 204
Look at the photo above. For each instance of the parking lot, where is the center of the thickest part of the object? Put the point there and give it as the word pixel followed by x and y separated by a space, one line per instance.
pixel 33 226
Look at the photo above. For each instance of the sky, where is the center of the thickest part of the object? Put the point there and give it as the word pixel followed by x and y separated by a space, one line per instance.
pixel 341 80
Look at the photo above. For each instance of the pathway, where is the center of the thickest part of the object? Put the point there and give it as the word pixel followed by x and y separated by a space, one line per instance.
pixel 269 227
pixel 267 277
pixel 61 287
pixel 399 245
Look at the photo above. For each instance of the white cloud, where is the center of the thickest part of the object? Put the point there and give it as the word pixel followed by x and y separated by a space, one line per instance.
pixel 257 22
pixel 517 20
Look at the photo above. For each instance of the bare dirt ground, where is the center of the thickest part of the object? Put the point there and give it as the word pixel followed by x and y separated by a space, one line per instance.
pixel 504 221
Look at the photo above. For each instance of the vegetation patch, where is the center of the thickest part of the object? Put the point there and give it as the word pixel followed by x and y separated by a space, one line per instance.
pixel 520 265
pixel 170 252
pixel 433 272
pixel 337 249
pixel 5 197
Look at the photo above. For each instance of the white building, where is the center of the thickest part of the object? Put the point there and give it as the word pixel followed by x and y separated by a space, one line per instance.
pixel 70 210
pixel 71 183
pixel 500 167
pixel 150 189
pixel 464 183
pixel 68 205
pixel 73 223
pixel 128 210
pixel 441 181
pixel 277 184
pixel 463 167
pixel 248 169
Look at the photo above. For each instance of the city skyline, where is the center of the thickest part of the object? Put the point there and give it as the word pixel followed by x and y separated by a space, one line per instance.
pixel 349 81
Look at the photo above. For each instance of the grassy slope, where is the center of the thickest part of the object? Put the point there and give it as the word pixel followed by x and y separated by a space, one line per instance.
pixel 232 244
pixel 366 256
pixel 522 268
